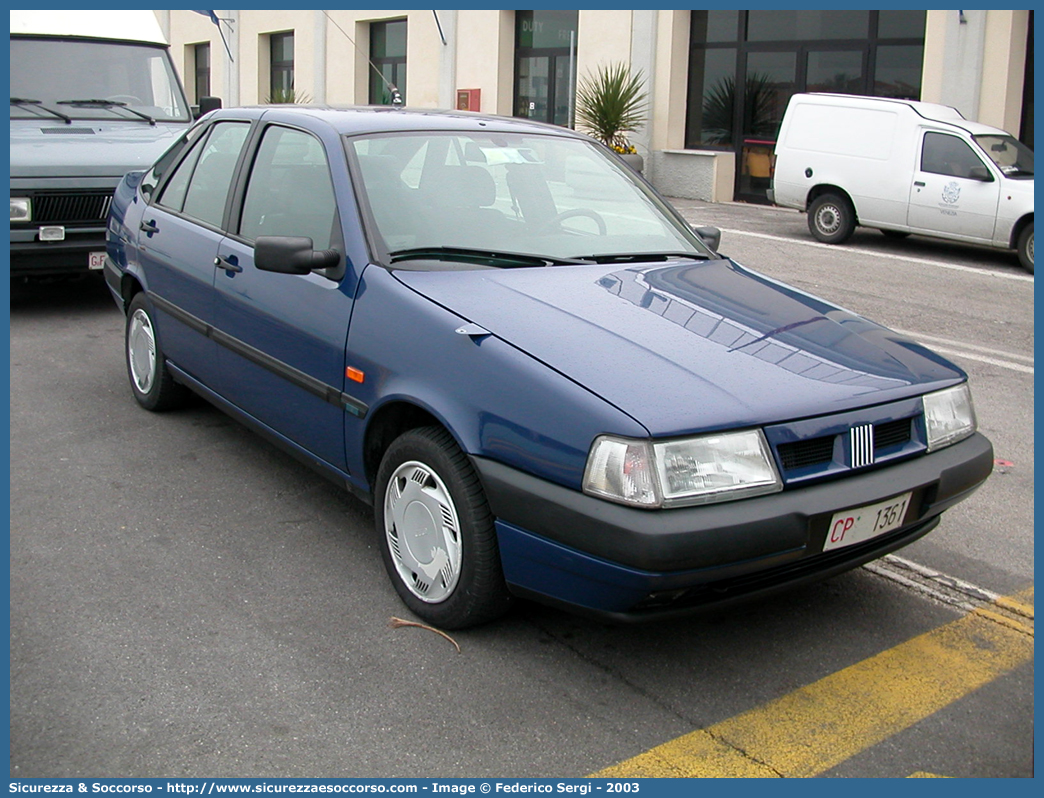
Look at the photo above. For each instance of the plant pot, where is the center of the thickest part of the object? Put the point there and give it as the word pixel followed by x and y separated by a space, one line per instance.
pixel 633 160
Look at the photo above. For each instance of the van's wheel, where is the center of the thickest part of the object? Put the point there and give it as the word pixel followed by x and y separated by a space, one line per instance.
pixel 1025 248
pixel 831 219
pixel 436 532
pixel 151 381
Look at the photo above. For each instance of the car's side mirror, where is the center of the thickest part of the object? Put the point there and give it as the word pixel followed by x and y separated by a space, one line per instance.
pixel 711 236
pixel 208 104
pixel 980 173
pixel 291 255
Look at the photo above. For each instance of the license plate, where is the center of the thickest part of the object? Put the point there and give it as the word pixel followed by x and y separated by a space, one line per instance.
pixel 862 523
pixel 95 260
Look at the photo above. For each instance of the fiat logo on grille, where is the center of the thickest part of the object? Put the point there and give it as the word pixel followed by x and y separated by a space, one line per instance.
pixel 861 444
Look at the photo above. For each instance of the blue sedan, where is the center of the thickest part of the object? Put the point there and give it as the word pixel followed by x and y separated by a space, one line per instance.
pixel 544 381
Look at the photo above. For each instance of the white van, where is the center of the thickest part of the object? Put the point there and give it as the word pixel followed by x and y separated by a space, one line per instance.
pixel 94 95
pixel 903 167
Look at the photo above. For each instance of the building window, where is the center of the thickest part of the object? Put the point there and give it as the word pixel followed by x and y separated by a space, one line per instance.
pixel 388 62
pixel 545 65
pixel 745 65
pixel 281 68
pixel 201 61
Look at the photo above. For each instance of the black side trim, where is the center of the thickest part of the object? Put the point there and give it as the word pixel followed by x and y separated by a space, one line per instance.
pixel 292 375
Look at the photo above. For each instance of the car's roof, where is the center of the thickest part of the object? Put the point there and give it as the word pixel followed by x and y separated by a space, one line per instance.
pixel 350 120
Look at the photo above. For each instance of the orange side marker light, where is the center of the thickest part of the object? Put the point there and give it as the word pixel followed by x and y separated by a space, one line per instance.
pixel 354 374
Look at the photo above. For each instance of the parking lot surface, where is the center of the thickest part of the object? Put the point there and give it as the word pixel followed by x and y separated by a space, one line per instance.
pixel 188 601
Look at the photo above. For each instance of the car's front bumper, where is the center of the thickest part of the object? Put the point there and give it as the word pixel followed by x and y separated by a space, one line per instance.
pixel 561 546
pixel 31 257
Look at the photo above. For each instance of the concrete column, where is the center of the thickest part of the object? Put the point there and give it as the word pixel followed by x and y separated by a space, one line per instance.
pixel 1004 69
pixel 643 57
pixel 447 20
pixel 954 47
pixel 319 26
pixel 232 94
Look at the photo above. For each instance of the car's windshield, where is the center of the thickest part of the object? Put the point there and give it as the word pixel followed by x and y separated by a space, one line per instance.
pixel 1013 157
pixel 93 80
pixel 543 195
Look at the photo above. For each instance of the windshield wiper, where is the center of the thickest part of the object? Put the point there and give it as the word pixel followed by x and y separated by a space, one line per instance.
pixel 488 257
pixel 108 104
pixel 646 257
pixel 22 101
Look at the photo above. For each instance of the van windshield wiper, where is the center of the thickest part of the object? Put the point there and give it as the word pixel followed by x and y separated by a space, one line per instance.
pixel 108 105
pixel 646 257
pixel 488 257
pixel 22 101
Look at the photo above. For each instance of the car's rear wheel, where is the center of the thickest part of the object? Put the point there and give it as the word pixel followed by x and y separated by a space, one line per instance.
pixel 1025 248
pixel 436 532
pixel 151 381
pixel 831 219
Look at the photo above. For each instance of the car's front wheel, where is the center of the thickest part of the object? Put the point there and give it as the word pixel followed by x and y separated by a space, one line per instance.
pixel 436 532
pixel 1025 248
pixel 831 219
pixel 151 381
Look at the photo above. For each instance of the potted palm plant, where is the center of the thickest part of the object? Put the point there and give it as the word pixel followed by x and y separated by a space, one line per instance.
pixel 288 95
pixel 610 104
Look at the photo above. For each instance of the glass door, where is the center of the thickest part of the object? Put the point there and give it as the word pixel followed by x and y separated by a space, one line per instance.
pixel 545 73
pixel 770 79
pixel 533 87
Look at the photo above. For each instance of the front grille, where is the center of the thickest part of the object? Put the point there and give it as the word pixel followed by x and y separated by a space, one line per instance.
pixel 71 208
pixel 891 433
pixel 804 454
pixel 858 446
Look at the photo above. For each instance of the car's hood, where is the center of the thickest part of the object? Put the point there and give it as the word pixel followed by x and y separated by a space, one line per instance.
pixel 691 346
pixel 86 148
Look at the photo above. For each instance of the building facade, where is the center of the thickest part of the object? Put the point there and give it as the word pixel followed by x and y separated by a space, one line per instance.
pixel 717 81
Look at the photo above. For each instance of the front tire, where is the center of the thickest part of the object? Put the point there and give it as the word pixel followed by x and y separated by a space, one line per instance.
pixel 1025 248
pixel 436 532
pixel 151 382
pixel 831 219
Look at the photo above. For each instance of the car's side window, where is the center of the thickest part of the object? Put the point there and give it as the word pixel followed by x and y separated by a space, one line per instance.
pixel 159 169
pixel 948 155
pixel 290 192
pixel 199 186
pixel 173 194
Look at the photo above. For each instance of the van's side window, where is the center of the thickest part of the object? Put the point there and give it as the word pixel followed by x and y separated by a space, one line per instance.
pixel 949 155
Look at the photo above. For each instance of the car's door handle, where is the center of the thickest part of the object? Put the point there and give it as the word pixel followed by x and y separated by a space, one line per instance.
pixel 149 227
pixel 919 183
pixel 229 264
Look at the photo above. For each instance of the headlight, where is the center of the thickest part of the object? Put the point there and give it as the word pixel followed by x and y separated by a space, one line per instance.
pixel 21 209
pixel 686 471
pixel 948 416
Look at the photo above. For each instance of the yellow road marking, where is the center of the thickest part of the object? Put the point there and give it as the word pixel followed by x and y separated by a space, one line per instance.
pixel 816 727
